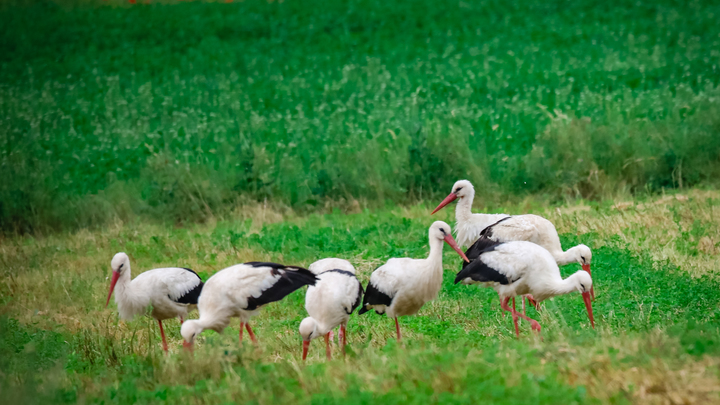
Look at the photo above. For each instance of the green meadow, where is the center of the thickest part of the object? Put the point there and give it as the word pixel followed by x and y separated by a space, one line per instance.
pixel 182 110
pixel 205 134
pixel 655 341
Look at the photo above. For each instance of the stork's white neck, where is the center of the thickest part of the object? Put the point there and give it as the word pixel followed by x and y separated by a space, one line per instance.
pixel 560 287
pixel 463 209
pixel 128 301
pixel 434 259
pixel 567 257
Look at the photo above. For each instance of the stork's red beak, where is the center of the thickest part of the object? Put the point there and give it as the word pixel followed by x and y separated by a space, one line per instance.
pixel 450 241
pixel 450 198
pixel 588 306
pixel 115 277
pixel 586 267
pixel 188 346
pixel 306 346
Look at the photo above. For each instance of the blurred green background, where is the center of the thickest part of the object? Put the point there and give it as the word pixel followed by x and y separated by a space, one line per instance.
pixel 183 111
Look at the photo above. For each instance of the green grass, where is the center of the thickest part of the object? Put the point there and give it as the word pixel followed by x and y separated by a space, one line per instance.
pixel 656 334
pixel 181 111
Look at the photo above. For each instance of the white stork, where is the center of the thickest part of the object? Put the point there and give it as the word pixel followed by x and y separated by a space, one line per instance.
pixel 240 291
pixel 519 268
pixel 402 286
pixel 506 228
pixel 171 291
pixel 330 302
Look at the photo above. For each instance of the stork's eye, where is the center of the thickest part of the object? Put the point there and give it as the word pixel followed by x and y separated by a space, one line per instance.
pixel 120 267
pixel 582 286
pixel 457 190
pixel 583 258
pixel 443 231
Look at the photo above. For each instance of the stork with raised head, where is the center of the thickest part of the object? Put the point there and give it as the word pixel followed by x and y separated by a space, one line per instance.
pixel 240 291
pixel 402 286
pixel 520 268
pixel 506 228
pixel 171 292
pixel 330 302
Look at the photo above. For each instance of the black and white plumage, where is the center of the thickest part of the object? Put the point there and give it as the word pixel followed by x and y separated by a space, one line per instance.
pixel 402 286
pixel 519 268
pixel 506 228
pixel 172 292
pixel 240 291
pixel 332 299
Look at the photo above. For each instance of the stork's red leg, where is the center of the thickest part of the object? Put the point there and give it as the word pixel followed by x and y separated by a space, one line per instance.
pixel 501 312
pixel 343 339
pixel 242 326
pixel 328 352
pixel 162 333
pixel 515 319
pixel 523 298
pixel 533 323
pixel 250 332
pixel 397 329
pixel 181 320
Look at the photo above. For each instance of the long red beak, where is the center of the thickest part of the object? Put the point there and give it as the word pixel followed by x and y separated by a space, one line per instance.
pixel 188 346
pixel 306 346
pixel 450 241
pixel 586 267
pixel 116 275
pixel 450 198
pixel 588 306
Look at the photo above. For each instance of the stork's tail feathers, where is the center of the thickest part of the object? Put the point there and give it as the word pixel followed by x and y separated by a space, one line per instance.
pixel 291 278
pixel 373 296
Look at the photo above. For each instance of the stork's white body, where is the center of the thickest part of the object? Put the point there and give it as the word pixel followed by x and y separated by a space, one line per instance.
pixel 411 282
pixel 240 291
pixel 333 297
pixel 402 286
pixel 520 268
pixel 330 301
pixel 529 268
pixel 171 292
pixel 157 288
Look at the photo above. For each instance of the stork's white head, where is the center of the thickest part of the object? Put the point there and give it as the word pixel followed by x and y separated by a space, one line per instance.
pixel 308 331
pixel 582 281
pixel 331 263
pixel 120 263
pixel 189 331
pixel 581 254
pixel 462 189
pixel 441 230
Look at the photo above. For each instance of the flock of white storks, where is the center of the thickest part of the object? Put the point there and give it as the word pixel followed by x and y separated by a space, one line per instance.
pixel 516 255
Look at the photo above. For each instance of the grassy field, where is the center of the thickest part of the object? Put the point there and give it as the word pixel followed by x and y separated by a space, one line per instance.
pixel 655 267
pixel 182 110
pixel 204 134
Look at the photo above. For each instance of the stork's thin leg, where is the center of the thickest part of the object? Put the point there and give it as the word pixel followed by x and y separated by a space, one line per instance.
pixel 523 298
pixel 515 319
pixel 250 332
pixel 533 323
pixel 501 312
pixel 397 329
pixel 332 335
pixel 181 320
pixel 162 333
pixel 342 338
pixel 328 352
pixel 242 326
